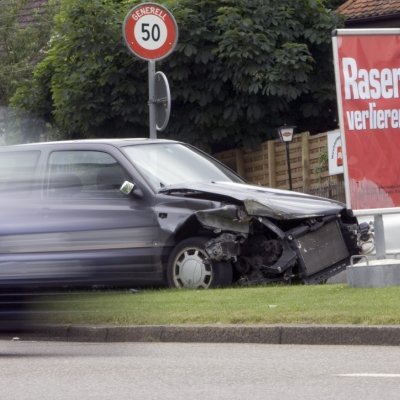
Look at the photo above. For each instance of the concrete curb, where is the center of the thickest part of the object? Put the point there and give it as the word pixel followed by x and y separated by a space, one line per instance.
pixel 267 334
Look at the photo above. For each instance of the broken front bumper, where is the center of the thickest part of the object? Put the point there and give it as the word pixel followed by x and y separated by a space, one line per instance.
pixel 310 252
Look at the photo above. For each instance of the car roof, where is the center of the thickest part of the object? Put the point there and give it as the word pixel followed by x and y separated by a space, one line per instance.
pixel 117 142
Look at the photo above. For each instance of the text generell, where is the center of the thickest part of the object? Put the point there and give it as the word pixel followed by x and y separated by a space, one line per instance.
pixel 149 10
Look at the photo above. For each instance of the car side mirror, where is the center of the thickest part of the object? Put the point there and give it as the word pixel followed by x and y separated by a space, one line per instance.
pixel 130 189
pixel 127 188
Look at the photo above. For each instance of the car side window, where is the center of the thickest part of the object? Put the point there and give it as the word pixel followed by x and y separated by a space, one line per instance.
pixel 17 171
pixel 84 174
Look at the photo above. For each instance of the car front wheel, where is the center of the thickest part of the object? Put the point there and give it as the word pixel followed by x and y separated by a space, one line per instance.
pixel 189 267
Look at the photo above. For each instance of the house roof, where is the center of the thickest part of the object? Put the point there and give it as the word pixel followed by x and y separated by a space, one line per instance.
pixel 363 9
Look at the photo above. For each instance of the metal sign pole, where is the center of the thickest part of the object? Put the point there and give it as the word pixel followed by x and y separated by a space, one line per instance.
pixel 152 105
pixel 288 165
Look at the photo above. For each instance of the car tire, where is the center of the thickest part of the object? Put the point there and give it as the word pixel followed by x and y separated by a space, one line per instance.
pixel 187 267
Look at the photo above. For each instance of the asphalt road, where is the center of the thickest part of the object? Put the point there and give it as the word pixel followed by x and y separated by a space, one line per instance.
pixel 66 370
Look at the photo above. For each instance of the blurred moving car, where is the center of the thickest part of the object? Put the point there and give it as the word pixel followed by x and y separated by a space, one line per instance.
pixel 151 212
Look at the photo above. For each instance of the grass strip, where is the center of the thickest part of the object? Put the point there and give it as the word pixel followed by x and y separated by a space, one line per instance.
pixel 320 304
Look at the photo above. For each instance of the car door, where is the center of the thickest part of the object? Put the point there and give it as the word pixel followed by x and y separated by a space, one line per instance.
pixel 110 238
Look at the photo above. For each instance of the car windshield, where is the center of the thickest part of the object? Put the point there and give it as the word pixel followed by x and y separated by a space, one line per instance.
pixel 165 164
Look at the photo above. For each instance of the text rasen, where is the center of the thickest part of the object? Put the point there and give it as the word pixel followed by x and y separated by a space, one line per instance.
pixel 372 84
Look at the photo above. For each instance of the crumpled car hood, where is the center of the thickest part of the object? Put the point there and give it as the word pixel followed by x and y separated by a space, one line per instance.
pixel 261 201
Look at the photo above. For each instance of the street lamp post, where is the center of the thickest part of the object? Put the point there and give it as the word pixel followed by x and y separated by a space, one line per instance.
pixel 286 136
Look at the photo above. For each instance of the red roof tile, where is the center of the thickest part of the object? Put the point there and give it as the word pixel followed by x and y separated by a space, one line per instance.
pixel 357 9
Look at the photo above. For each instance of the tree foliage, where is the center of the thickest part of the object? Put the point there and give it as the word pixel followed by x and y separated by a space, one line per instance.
pixel 241 68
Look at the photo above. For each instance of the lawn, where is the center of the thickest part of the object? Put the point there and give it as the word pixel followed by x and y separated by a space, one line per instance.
pixel 319 304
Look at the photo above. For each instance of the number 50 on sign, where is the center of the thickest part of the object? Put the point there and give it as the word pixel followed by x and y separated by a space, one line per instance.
pixel 150 31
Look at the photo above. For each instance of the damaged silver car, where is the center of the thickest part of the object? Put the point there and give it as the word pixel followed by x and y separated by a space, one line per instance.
pixel 150 212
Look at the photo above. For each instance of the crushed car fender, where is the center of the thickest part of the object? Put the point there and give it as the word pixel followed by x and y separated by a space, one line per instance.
pixel 225 218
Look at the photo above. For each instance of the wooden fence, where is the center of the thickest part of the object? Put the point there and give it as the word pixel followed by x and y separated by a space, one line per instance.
pixel 267 166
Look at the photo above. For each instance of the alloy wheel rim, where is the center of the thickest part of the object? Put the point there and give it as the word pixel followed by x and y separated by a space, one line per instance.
pixel 191 269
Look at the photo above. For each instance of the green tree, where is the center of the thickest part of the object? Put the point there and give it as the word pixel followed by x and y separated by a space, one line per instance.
pixel 24 36
pixel 241 68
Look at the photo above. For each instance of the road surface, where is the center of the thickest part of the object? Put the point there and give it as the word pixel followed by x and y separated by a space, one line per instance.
pixel 182 371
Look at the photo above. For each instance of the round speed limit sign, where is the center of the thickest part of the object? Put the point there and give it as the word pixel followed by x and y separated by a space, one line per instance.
pixel 150 31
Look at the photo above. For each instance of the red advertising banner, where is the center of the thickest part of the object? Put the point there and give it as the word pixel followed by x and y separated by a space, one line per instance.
pixel 368 86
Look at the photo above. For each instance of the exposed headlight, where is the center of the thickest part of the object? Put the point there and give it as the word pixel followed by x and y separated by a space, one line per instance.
pixel 241 213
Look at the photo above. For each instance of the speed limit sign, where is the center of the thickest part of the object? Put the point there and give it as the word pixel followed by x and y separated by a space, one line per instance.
pixel 150 31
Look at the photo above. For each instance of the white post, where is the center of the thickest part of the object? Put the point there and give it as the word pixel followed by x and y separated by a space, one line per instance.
pixel 380 245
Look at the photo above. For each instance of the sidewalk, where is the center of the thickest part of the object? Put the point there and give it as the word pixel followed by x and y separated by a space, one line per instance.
pixel 266 334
